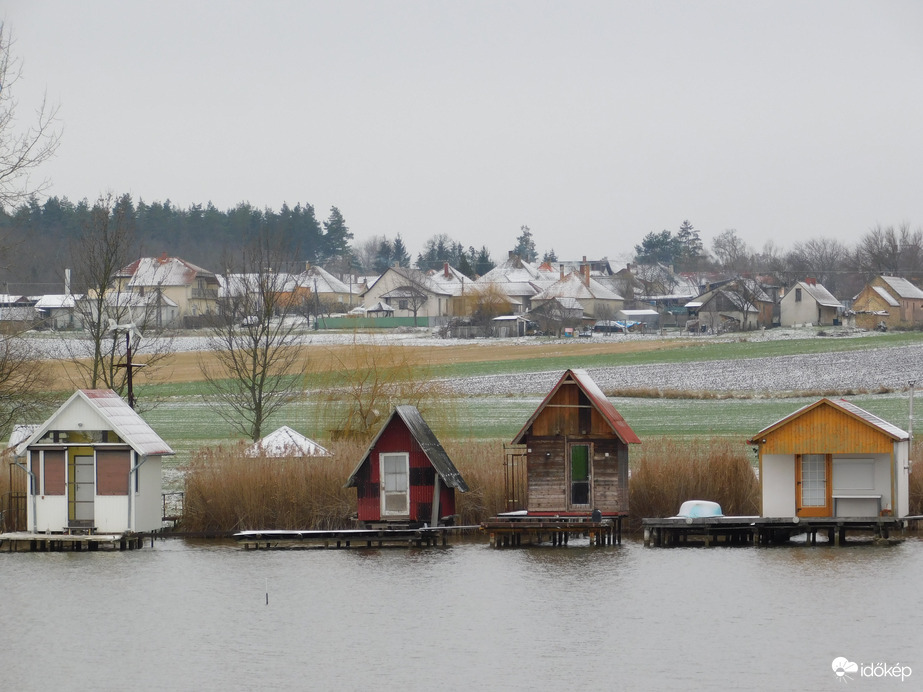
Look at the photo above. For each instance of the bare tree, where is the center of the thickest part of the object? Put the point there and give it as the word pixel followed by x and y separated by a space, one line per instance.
pixel 891 251
pixel 255 366
pixel 369 379
pixel 24 151
pixel 24 382
pixel 487 302
pixel 732 252
pixel 819 258
pixel 100 255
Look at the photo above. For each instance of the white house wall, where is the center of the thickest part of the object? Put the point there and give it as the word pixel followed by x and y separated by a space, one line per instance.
pixel 148 503
pixel 52 513
pixel 110 513
pixel 902 467
pixel 79 415
pixel 777 479
pixel 801 312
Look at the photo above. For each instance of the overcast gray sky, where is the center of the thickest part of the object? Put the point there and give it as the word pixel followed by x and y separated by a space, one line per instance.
pixel 593 123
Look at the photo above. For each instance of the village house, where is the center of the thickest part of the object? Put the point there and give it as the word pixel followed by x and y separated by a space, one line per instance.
pixel 734 305
pixel 193 290
pixel 519 281
pixel 94 466
pixel 405 477
pixel 575 448
pixel 809 303
pixel 412 293
pixel 833 459
pixel 889 300
pixel 317 284
pixel 597 301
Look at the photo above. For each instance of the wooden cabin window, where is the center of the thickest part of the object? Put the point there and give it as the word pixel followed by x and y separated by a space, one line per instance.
pixel 395 486
pixel 112 468
pixel 580 475
pixel 54 473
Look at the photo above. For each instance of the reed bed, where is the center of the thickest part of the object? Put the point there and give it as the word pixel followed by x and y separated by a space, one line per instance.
pixel 225 490
pixel 668 471
pixel 228 491
pixel 916 478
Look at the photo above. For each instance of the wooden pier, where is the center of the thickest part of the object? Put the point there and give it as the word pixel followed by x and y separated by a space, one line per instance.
pixel 514 530
pixel 348 538
pixel 710 531
pixel 57 542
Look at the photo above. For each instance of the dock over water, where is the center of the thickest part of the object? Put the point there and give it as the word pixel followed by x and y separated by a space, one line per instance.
pixel 516 529
pixel 710 531
pixel 56 542
pixel 348 538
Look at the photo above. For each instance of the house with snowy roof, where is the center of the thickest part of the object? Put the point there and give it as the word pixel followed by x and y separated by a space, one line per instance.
pixel 891 300
pixel 809 303
pixel 597 301
pixel 317 283
pixel 94 466
pixel 192 289
pixel 412 293
pixel 519 281
pixel 286 443
pixel 734 305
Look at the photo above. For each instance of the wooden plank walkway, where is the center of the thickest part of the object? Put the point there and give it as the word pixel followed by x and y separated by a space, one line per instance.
pixel 348 538
pixel 677 531
pixel 17 542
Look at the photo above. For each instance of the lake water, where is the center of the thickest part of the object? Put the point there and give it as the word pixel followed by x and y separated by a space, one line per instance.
pixel 185 615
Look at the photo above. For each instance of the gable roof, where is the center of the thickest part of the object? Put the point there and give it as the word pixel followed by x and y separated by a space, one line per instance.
pixel 285 442
pixel 887 297
pixel 846 407
pixel 319 278
pixel 599 401
pixel 116 412
pixel 902 287
pixel 572 286
pixel 163 271
pixel 424 437
pixel 820 294
pixel 418 282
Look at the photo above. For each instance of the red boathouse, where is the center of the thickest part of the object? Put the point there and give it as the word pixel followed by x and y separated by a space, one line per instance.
pixel 405 476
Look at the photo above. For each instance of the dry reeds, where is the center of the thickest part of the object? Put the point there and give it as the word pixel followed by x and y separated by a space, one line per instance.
pixel 668 471
pixel 916 479
pixel 228 491
pixel 225 490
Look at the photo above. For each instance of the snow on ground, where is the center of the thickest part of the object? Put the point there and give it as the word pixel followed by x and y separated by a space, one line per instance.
pixel 865 370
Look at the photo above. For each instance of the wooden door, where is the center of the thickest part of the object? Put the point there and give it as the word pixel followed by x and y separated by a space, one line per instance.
pixel 813 486
pixel 579 473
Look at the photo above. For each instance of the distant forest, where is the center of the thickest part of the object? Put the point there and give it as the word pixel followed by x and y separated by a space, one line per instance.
pixel 38 237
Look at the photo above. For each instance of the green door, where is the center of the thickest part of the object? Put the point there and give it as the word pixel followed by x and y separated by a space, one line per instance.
pixel 579 476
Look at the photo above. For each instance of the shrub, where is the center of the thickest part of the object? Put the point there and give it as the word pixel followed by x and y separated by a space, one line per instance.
pixel 916 479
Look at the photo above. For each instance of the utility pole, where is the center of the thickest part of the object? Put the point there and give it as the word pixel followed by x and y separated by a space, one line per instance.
pixel 912 383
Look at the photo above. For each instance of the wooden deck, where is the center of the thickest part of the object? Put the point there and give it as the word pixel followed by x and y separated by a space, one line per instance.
pixel 56 542
pixel 678 531
pixel 348 538
pixel 517 529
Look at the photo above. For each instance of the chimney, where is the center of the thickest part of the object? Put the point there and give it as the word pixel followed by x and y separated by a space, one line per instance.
pixel 307 266
pixel 810 281
pixel 585 270
pixel 562 272
pixel 445 270
pixel 163 258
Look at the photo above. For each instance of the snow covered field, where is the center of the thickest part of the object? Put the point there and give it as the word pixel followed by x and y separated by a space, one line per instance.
pixel 871 370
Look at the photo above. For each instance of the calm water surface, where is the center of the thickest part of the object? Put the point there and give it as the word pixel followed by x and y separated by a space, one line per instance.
pixel 194 616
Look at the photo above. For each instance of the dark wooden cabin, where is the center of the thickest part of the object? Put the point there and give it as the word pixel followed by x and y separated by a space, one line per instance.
pixel 405 476
pixel 576 451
